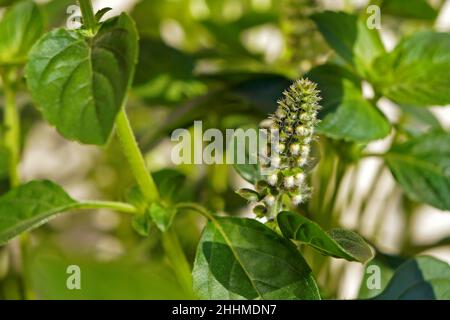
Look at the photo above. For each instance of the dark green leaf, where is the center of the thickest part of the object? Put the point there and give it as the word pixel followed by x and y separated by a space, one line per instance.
pixel 337 243
pixel 142 223
pixel 346 114
pixel 162 216
pixel 350 37
pixel 170 183
pixel 417 72
pixel 249 195
pixel 423 278
pixel 422 168
pixel 29 206
pixel 99 15
pixel 21 26
pixel 80 83
pixel 414 9
pixel 243 259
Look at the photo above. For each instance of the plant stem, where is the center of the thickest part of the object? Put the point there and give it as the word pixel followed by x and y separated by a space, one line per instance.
pixel 197 208
pixel 140 172
pixel 12 125
pixel 116 206
pixel 135 158
pixel 178 259
pixel 148 188
pixel 87 11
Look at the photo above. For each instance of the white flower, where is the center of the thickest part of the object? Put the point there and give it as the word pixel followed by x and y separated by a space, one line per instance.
pixel 301 130
pixel 305 151
pixel 301 162
pixel 289 182
pixel 295 149
pixel 272 179
pixel 299 179
pixel 275 161
pixel 297 200
pixel 269 200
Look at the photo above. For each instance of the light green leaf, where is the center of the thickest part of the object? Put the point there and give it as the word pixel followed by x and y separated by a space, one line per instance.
pixel 417 71
pixel 345 113
pixel 80 83
pixel 350 37
pixel 29 206
pixel 422 168
pixel 162 216
pixel 21 26
pixel 422 278
pixel 337 243
pixel 414 9
pixel 243 259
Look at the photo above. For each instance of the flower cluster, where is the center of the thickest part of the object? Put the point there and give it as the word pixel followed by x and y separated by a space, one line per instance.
pixel 290 152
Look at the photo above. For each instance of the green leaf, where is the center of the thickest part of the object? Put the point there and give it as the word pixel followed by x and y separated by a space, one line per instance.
pixel 422 278
pixel 170 183
pixel 414 9
pixel 141 224
pixel 336 243
pixel 21 26
pixel 350 37
pixel 422 168
pixel 249 195
pixel 29 206
pixel 100 13
pixel 243 259
pixel 417 71
pixel 80 83
pixel 345 113
pixel 162 216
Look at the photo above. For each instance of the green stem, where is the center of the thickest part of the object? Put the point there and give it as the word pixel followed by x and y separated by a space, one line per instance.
pixel 196 208
pixel 178 259
pixel 135 158
pixel 12 130
pixel 171 244
pixel 87 10
pixel 116 206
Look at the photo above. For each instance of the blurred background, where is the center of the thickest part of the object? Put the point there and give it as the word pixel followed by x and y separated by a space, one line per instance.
pixel 210 60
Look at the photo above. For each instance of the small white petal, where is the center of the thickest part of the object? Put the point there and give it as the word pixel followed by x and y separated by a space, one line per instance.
pixel 289 182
